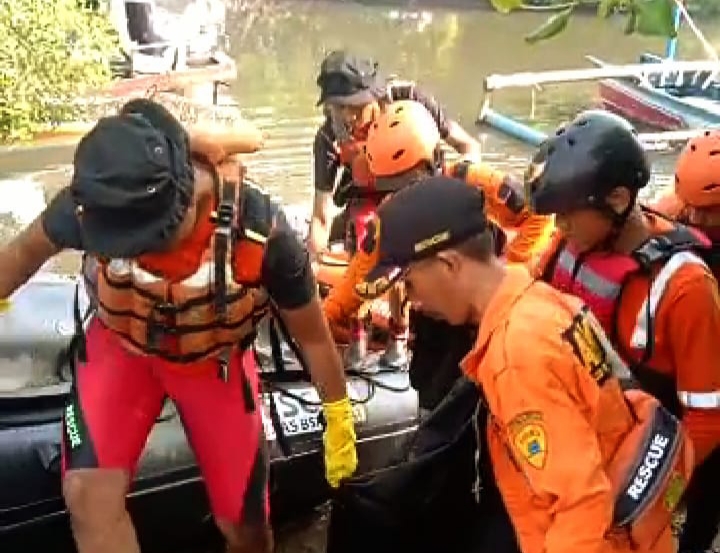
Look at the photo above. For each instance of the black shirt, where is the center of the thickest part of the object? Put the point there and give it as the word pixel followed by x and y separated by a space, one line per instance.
pixel 286 272
pixel 326 160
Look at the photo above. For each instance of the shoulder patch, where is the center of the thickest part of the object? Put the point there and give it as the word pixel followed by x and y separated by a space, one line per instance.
pixel 593 349
pixel 528 437
pixel 675 489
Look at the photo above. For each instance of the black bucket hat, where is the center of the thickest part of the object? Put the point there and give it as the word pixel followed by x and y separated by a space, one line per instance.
pixel 349 80
pixel 133 182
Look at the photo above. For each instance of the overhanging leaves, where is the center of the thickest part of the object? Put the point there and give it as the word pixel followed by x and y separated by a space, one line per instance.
pixel 553 26
pixel 506 6
pixel 655 17
pixel 607 7
pixel 647 17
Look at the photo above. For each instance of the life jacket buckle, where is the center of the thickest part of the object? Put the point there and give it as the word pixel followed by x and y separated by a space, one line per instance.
pixel 653 250
pixel 165 308
pixel 224 215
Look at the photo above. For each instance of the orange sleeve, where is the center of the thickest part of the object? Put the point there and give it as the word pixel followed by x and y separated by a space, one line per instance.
pixel 535 398
pixel 533 237
pixel 342 301
pixel 691 313
pixel 505 206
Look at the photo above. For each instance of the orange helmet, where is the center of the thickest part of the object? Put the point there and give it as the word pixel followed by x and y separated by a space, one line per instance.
pixel 402 137
pixel 697 173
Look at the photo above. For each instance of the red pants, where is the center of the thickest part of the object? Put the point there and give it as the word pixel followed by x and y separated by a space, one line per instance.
pixel 117 396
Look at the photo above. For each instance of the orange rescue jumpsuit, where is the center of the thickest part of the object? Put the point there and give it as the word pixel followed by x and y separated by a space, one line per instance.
pixel 552 430
pixel 686 329
pixel 532 233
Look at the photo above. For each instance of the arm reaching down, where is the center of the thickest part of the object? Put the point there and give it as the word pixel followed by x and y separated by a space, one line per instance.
pixel 289 279
pixel 693 340
pixel 450 130
pixel 342 302
pixel 55 229
pixel 326 168
pixel 462 142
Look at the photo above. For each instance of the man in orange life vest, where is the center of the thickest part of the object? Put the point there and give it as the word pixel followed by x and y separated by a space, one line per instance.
pixel 696 201
pixel 353 92
pixel 640 273
pixel 403 146
pixel 569 449
pixel 183 259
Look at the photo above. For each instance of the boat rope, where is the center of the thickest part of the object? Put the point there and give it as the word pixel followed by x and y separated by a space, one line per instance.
pixel 370 377
pixel 709 49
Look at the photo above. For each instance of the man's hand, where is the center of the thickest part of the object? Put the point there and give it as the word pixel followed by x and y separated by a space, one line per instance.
pixel 463 143
pixel 310 329
pixel 288 277
pixel 21 258
pixel 339 441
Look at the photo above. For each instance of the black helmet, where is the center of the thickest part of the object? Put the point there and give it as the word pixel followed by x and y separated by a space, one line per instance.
pixel 585 160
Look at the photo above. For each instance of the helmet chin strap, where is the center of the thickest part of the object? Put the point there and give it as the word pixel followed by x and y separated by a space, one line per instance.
pixel 618 220
pixel 438 160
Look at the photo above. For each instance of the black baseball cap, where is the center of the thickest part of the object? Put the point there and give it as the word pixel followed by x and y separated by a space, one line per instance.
pixel 349 80
pixel 417 222
pixel 131 187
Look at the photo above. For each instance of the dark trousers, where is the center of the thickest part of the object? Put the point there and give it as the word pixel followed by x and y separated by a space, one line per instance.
pixel 425 504
pixel 702 500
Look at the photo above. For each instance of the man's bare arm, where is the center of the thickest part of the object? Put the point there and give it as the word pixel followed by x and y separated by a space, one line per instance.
pixel 23 256
pixel 461 140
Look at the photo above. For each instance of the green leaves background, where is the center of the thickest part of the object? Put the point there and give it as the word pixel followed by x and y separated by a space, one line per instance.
pixel 646 17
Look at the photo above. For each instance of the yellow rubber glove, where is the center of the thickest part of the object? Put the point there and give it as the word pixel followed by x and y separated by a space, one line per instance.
pixel 339 441
pixel 4 305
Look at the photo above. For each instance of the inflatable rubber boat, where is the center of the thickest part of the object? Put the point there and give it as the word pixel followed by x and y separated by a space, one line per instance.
pixel 167 499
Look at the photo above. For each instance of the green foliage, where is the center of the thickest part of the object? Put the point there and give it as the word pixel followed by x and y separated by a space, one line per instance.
pixel 51 52
pixel 646 17
pixel 552 26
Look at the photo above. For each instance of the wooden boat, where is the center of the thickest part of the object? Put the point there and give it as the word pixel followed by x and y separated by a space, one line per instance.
pixel 637 75
pixel 677 99
pixel 164 51
pixel 671 100
pixel 217 70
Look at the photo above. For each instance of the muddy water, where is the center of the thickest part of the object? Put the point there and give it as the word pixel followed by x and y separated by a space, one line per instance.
pixel 447 52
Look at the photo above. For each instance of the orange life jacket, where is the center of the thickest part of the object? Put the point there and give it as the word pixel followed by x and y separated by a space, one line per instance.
pixel 208 312
pixel 598 278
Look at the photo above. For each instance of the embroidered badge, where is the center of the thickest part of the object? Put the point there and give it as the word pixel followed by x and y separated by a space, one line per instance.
pixel 674 491
pixel 586 337
pixel 527 432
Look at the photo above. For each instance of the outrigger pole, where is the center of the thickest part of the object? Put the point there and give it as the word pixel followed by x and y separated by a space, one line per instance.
pixel 639 71
pixel 533 137
pixel 534 80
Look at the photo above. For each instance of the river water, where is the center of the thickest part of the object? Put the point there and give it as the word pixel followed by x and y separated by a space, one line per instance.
pixel 446 51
